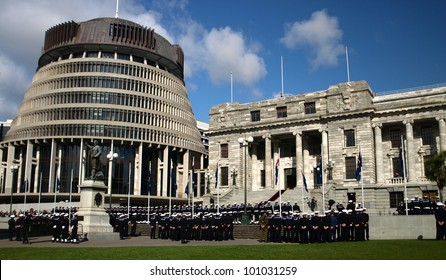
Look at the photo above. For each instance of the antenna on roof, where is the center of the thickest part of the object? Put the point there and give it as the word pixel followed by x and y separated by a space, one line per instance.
pixel 117 8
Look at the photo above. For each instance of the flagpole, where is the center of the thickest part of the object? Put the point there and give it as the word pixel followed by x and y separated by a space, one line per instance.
pixel 323 178
pixel 281 74
pixel 362 180
pixel 171 186
pixel 278 184
pixel 148 192
pixel 303 187
pixel 26 189
pixel 40 193
pixel 191 188
pixel 69 208
pixel 348 67
pixel 128 196
pixel 55 194
pixel 404 174
pixel 232 91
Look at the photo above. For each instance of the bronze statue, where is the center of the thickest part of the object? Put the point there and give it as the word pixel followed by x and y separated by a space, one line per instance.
pixel 95 163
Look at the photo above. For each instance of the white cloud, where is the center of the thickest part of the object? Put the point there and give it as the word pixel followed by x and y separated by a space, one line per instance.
pixel 320 36
pixel 215 52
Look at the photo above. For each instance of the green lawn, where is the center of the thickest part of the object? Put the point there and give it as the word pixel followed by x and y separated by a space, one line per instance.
pixel 370 250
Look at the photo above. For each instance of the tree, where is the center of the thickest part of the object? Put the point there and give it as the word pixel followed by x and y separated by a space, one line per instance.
pixel 436 171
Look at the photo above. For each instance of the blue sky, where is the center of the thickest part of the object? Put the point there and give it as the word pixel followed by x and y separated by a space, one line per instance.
pixel 391 44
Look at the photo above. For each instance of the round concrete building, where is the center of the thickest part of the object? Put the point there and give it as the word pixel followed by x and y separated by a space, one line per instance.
pixel 117 82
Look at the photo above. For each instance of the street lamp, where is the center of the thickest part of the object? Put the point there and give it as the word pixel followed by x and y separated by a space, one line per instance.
pixel 245 142
pixel 14 169
pixel 111 156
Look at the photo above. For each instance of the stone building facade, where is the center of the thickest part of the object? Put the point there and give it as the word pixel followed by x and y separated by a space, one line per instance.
pixel 115 81
pixel 292 135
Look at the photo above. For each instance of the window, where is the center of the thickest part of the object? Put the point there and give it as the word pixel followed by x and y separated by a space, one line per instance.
pixel 255 116
pixel 282 112
pixel 107 55
pixel 427 135
pixel 349 138
pixel 397 167
pixel 224 176
pixel 224 150
pixel 350 168
pixel 310 107
pixel 395 199
pixel 395 138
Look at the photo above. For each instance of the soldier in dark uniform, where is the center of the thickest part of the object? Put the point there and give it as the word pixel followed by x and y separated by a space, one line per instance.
pixel 133 224
pixel 65 223
pixel 55 228
pixel 11 227
pixel 304 226
pixel 152 222
pixel 26 228
pixel 276 227
pixel 365 222
pixel 74 227
pixel 440 221
pixel 122 226
pixel 18 227
pixel 326 231
pixel 315 228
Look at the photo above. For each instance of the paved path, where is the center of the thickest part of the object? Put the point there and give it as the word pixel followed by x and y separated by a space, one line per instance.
pixel 45 242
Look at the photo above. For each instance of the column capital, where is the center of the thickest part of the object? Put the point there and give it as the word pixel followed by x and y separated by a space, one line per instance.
pixel 266 136
pixel 377 125
pixel 440 118
pixel 408 121
pixel 297 132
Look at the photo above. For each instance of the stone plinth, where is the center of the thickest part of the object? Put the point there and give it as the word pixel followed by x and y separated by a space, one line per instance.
pixel 91 213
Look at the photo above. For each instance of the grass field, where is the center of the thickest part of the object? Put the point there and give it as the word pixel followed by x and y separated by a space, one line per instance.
pixel 370 250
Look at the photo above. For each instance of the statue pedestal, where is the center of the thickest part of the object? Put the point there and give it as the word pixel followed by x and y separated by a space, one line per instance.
pixel 91 214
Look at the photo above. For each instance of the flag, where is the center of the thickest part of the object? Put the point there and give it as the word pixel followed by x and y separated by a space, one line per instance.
pixel 319 171
pixel 359 168
pixel 149 181
pixel 57 184
pixel 25 186
pixel 216 176
pixel 173 178
pixel 305 182
pixel 187 190
pixel 402 160
pixel 277 171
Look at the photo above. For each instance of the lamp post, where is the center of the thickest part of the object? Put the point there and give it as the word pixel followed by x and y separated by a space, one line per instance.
pixel 14 169
pixel 208 181
pixel 245 142
pixel 111 156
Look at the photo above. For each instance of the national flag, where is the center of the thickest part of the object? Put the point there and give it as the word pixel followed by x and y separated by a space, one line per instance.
pixel 277 171
pixel 216 176
pixel 359 167
pixel 57 184
pixel 173 187
pixel 149 180
pixel 25 186
pixel 305 182
pixel 319 171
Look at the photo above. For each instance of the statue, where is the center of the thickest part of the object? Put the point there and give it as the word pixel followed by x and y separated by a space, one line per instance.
pixel 95 163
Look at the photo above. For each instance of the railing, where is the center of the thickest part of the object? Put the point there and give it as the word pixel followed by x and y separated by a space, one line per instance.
pixel 400 180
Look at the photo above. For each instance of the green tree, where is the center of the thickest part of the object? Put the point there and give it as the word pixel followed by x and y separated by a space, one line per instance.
pixel 436 171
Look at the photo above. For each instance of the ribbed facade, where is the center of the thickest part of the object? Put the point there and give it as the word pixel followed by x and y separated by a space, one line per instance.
pixel 110 80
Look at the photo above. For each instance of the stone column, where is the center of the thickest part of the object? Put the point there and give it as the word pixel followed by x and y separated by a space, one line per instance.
pixel 324 147
pixel 165 171
pixel 186 175
pixel 53 170
pixel 442 132
pixel 379 160
pixel 268 169
pixel 28 165
pixel 10 162
pixel 299 158
pixel 409 151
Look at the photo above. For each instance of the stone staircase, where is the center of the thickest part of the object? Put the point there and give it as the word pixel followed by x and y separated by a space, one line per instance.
pixel 240 231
